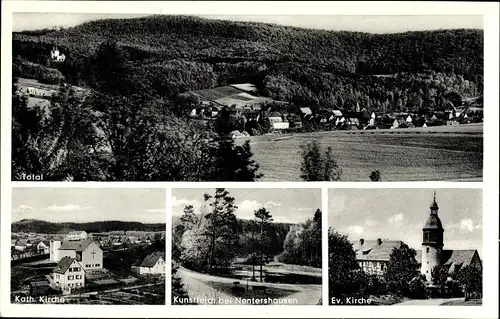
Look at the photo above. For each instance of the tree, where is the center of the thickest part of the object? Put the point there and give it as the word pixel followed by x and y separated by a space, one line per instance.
pixel 58 141
pixel 375 176
pixel 440 275
pixel 318 165
pixel 302 245
pixel 343 269
pixel 262 218
pixel 471 279
pixel 178 290
pixel 219 229
pixel 401 269
pixel 233 163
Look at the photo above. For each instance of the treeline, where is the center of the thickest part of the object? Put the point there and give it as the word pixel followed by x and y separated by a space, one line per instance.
pixel 303 243
pixel 169 55
pixel 44 227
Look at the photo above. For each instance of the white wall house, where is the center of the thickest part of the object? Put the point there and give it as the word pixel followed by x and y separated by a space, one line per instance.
pixel 43 247
pixel 77 235
pixel 153 264
pixel 69 274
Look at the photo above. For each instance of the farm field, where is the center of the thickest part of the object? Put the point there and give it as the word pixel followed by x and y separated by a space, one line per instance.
pixel 444 153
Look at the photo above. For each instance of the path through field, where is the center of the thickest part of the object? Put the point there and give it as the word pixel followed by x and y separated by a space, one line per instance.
pixel 195 284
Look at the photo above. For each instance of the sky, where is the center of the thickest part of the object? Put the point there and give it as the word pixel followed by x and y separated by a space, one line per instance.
pixel 285 205
pixel 362 23
pixel 88 205
pixel 400 214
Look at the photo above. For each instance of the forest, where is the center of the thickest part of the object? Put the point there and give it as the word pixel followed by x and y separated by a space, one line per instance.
pixel 44 227
pixel 212 240
pixel 133 124
pixel 169 55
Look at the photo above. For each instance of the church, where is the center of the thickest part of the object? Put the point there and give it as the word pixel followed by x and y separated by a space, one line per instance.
pixel 86 251
pixel 373 255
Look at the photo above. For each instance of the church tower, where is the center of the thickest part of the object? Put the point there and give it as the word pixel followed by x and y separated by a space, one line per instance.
pixel 432 243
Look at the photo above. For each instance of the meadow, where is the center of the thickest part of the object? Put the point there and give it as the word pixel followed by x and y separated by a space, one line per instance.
pixel 444 153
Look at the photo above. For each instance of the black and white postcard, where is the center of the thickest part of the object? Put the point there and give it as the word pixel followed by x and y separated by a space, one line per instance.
pixel 246 246
pixel 88 246
pixel 405 247
pixel 138 97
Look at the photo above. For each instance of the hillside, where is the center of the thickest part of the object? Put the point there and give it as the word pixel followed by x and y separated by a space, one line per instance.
pixel 44 227
pixel 202 53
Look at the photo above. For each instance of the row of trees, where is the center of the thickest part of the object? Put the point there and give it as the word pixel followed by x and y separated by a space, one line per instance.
pixel 401 277
pixel 303 243
pixel 209 241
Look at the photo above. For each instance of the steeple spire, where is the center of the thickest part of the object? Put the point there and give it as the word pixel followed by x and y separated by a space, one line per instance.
pixel 434 206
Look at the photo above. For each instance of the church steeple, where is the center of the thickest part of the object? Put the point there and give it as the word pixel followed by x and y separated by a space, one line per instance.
pixel 432 241
pixel 433 229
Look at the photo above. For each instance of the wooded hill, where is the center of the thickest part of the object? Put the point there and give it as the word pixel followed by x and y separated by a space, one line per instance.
pixel 168 55
pixel 44 227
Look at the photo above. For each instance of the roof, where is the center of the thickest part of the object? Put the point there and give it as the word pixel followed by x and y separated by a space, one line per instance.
pixel 371 250
pixel 45 242
pixel 152 259
pixel 64 264
pixel 22 242
pixel 78 245
pixel 337 112
pixel 460 258
pixel 306 110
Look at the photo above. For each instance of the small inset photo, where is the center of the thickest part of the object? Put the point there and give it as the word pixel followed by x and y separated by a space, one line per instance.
pixel 246 247
pixel 88 246
pixel 405 247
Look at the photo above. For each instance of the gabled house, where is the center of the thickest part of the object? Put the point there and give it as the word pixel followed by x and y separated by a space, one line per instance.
pixel 43 247
pixel 69 274
pixel 153 264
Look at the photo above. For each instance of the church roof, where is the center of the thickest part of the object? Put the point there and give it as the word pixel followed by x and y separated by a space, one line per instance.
pixel 78 245
pixel 371 250
pixel 64 264
pixel 152 259
pixel 433 222
pixel 460 258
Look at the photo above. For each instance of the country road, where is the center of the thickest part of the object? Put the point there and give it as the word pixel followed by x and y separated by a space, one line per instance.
pixel 197 287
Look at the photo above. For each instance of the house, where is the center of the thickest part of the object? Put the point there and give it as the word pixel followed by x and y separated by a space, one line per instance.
pixel 153 264
pixel 56 55
pixel 76 235
pixel 43 247
pixel 69 274
pixel 373 255
pixel 86 251
pixel 22 244
pixel 13 242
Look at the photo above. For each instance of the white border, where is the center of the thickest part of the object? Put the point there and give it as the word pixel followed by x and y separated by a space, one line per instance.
pixel 489 184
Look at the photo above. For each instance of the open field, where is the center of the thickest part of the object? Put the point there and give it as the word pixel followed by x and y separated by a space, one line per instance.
pixel 445 153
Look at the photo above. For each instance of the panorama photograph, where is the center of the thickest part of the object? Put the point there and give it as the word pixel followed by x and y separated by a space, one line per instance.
pixel 246 247
pixel 137 97
pixel 405 247
pixel 88 246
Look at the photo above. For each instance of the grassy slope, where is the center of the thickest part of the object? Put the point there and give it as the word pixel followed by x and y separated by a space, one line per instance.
pixel 400 155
